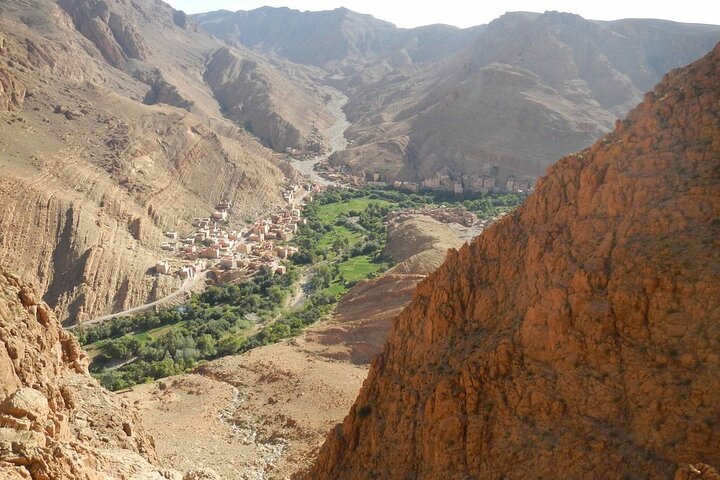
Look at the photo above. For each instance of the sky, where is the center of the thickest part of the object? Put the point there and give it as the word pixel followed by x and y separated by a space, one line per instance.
pixel 466 13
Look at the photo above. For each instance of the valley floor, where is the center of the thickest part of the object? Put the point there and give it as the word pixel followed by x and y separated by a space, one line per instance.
pixel 261 415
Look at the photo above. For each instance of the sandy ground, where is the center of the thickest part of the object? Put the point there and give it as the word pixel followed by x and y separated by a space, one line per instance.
pixel 261 415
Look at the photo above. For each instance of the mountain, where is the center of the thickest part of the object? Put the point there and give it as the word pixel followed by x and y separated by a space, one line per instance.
pixel 501 100
pixel 55 420
pixel 340 40
pixel 531 88
pixel 121 120
pixel 576 338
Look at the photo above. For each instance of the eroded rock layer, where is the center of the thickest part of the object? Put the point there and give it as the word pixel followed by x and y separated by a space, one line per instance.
pixel 56 422
pixel 577 338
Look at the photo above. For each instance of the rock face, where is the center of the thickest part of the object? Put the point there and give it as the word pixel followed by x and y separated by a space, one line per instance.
pixel 55 420
pixel 265 104
pixel 577 338
pixel 109 31
pixel 12 93
pixel 529 89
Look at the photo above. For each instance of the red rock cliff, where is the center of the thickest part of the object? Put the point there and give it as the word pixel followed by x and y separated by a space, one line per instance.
pixel 56 422
pixel 577 338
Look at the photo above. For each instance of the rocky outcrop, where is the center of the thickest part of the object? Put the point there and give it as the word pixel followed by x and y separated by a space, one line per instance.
pixel 264 104
pixel 162 91
pixel 91 176
pixel 109 31
pixel 243 93
pixel 361 322
pixel 12 93
pixel 576 338
pixel 55 420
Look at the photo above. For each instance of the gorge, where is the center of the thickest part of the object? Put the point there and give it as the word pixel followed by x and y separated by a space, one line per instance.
pixel 346 250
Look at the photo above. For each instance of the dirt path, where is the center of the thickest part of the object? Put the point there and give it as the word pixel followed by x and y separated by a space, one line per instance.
pixel 187 286
pixel 302 291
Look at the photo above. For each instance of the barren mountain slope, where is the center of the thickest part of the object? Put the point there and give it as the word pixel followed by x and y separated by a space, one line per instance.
pixel 164 49
pixel 531 88
pixel 266 412
pixel 576 338
pixel 357 48
pixel 90 177
pixel 55 420
pixel 267 103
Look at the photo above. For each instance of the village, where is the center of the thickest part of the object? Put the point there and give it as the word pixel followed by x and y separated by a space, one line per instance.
pixel 456 184
pixel 233 253
pixel 214 246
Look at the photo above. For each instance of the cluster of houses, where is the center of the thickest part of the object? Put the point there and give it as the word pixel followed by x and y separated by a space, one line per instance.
pixel 468 183
pixel 214 245
pixel 458 184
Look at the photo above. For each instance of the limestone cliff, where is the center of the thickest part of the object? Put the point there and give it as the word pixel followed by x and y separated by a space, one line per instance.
pixel 577 338
pixel 56 422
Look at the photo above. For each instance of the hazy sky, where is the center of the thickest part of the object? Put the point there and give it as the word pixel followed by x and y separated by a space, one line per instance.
pixel 465 13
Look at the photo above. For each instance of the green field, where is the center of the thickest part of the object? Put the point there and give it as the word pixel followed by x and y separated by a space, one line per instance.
pixel 330 212
pixel 339 233
pixel 357 268
pixel 336 288
pixel 159 331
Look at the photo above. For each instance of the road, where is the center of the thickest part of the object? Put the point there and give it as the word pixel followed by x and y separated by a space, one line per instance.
pixel 187 286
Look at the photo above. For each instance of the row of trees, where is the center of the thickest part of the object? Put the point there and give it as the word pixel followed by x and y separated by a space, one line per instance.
pixel 207 327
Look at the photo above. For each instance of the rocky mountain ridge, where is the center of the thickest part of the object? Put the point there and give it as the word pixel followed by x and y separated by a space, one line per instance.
pixel 340 40
pixel 499 100
pixel 529 89
pixel 576 338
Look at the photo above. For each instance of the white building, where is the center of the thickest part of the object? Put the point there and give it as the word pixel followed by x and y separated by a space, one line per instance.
pixel 162 267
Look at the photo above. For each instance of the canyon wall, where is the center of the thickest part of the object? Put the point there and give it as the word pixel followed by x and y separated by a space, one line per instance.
pixel 576 338
pixel 55 420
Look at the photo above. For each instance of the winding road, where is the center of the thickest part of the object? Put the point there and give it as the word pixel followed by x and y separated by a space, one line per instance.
pixel 187 286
